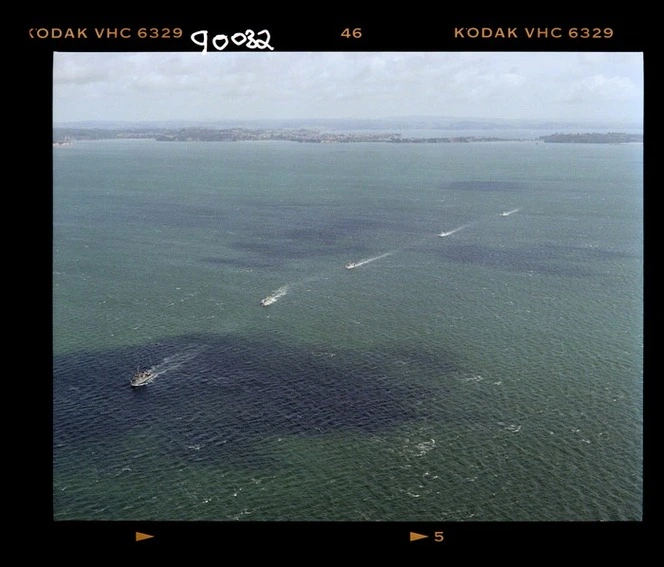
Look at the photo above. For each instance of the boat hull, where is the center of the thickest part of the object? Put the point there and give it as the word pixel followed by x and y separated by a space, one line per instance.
pixel 141 379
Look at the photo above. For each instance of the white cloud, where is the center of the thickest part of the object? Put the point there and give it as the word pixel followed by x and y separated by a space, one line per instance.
pixel 599 88
pixel 218 85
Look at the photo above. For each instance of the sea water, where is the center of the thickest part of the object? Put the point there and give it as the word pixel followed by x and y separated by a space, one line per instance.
pixel 493 374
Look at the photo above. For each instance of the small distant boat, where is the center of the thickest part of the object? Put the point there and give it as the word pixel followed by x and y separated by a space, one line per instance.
pixel 445 233
pixel 274 296
pixel 351 265
pixel 508 213
pixel 141 378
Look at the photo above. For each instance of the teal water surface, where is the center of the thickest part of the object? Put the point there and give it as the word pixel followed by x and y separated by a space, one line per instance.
pixel 493 374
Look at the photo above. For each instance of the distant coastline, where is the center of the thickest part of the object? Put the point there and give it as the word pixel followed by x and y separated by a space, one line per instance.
pixel 64 136
pixel 593 138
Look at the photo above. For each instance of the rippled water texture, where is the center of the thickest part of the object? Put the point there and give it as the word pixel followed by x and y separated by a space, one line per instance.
pixel 471 366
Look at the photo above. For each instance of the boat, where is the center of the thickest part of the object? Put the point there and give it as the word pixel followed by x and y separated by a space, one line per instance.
pixel 268 301
pixel 141 378
pixel 351 265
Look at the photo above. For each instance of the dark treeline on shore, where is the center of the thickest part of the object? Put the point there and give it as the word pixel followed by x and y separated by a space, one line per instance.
pixel 62 135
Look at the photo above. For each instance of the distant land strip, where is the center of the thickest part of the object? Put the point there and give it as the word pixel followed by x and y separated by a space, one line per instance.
pixel 64 136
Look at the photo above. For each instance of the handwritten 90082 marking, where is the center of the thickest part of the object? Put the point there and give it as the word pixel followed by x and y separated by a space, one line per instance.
pixel 249 39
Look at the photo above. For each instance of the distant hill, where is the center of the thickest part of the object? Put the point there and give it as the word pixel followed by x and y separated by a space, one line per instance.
pixel 388 123
pixel 61 135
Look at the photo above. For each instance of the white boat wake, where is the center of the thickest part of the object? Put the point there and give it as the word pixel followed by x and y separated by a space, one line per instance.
pixel 168 364
pixel 352 265
pixel 175 361
pixel 279 293
pixel 275 296
pixel 449 232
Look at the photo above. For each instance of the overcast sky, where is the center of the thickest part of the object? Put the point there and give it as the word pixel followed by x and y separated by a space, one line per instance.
pixel 253 85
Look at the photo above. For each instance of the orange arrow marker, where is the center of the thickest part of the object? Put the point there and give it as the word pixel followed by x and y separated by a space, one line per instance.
pixel 140 536
pixel 414 536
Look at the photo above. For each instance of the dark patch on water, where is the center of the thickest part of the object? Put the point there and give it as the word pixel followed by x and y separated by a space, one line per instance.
pixel 275 254
pixel 483 185
pixel 327 236
pixel 275 251
pixel 301 242
pixel 545 258
pixel 228 398
pixel 586 253
pixel 242 263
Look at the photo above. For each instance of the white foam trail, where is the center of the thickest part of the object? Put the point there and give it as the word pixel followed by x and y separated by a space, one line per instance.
pixel 363 262
pixel 275 296
pixel 508 213
pixel 452 231
pixel 280 292
pixel 174 361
